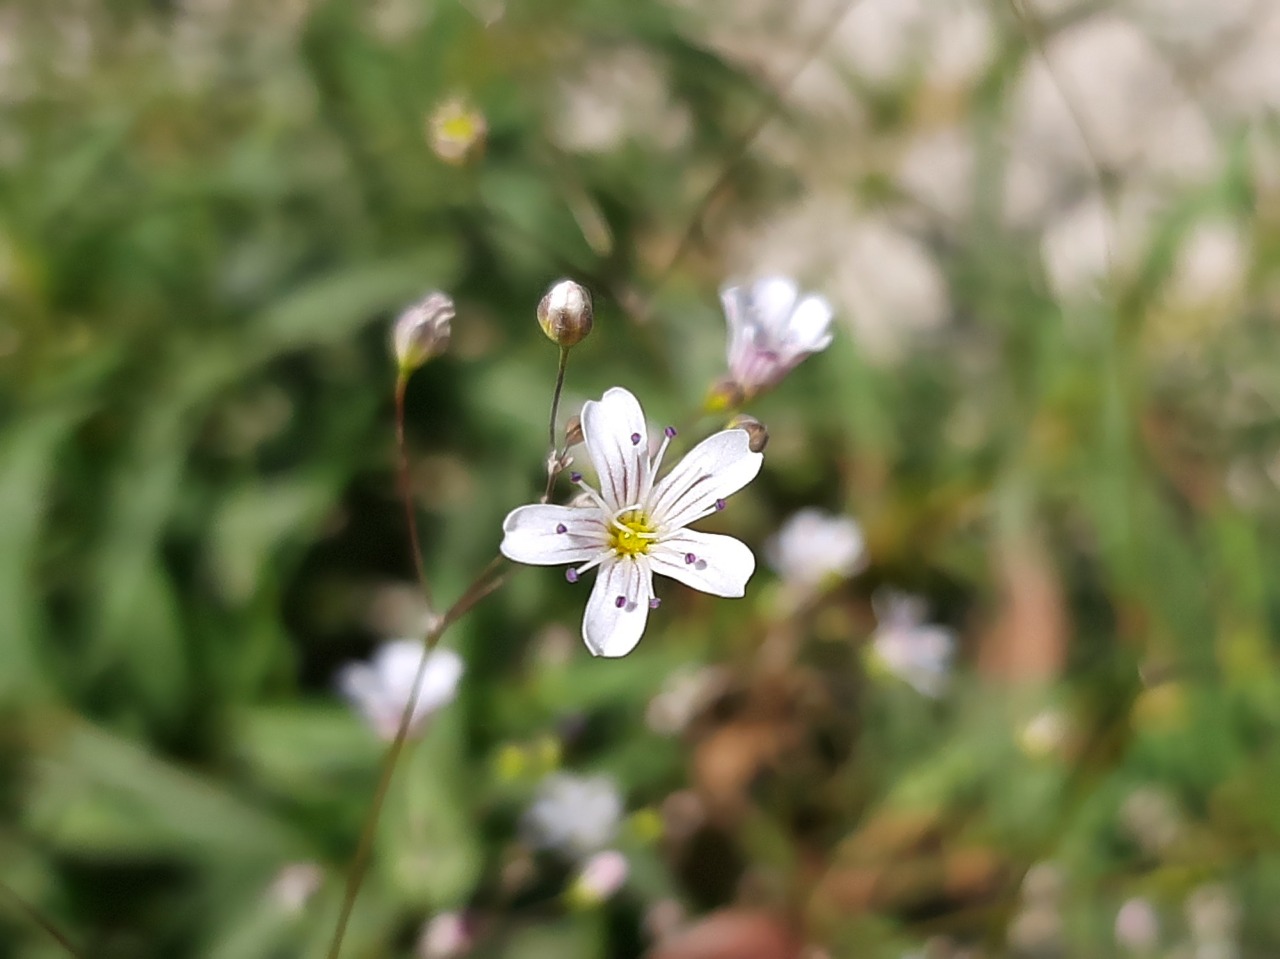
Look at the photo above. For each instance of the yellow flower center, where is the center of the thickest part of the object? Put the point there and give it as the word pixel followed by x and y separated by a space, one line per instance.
pixel 632 533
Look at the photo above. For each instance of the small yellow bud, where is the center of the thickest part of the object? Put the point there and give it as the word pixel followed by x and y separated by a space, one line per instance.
pixel 565 313
pixel 757 432
pixel 422 331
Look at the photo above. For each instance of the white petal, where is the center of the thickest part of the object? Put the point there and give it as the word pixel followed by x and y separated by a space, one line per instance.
pixel 737 314
pixel 809 329
pixel 529 535
pixel 721 565
pixel 610 428
pixel 718 466
pixel 607 628
pixel 773 299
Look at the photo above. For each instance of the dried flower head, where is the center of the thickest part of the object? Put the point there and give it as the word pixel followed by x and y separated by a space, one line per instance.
pixel 422 331
pixel 565 313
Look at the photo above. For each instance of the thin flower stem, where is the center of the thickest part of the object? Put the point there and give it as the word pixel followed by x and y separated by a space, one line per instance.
pixel 553 456
pixel 41 920
pixel 406 491
pixel 488 581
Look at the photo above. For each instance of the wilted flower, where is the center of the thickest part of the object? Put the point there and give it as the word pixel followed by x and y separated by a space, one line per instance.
pixel 380 689
pixel 422 331
pixel 600 877
pixel 813 547
pixel 574 815
pixel 456 131
pixel 1137 927
pixel 916 652
pixel 771 329
pixel 445 936
pixel 565 313
pixel 635 527
pixel 294 885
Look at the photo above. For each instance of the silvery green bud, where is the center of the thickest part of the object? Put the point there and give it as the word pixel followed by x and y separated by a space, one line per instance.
pixel 565 313
pixel 757 433
pixel 422 331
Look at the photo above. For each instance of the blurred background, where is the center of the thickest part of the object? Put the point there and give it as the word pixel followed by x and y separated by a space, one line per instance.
pixel 1027 706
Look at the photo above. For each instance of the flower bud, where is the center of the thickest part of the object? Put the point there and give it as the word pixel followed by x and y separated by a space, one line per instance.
pixel 725 394
pixel 757 432
pixel 573 431
pixel 565 313
pixel 422 331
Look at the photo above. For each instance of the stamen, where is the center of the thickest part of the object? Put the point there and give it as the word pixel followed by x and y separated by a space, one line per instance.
pixel 635 439
pixel 719 504
pixel 690 559
pixel 655 603
pixel 561 528
pixel 575 477
pixel 620 602
pixel 571 574
pixel 670 432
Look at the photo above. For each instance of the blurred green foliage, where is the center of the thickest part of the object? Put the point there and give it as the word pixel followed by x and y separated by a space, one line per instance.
pixel 209 216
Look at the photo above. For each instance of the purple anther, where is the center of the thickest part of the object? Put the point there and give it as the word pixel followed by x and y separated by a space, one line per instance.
pixel 690 559
pixel 571 575
pixel 670 432
pixel 575 477
pixel 561 528
pixel 635 439
pixel 655 603
pixel 620 602
pixel 719 504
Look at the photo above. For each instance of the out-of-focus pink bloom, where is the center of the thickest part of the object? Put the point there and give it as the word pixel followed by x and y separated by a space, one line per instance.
pixel 602 875
pixel 771 329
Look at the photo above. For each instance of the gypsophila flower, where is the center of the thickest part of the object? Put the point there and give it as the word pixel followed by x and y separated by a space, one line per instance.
pixel 294 885
pixel 380 689
pixel 446 936
pixel 1137 927
pixel 814 546
pixel 456 131
pixel 635 527
pixel 916 652
pixel 771 329
pixel 600 877
pixel 573 815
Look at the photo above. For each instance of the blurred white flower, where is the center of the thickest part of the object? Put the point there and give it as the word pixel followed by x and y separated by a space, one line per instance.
pixel 294 885
pixel 1213 914
pixel 1210 266
pixel 616 98
pixel 446 936
pixel 380 689
pixel 1151 816
pixel 636 525
pixel 814 547
pixel 772 328
pixel 573 815
pixel 683 695
pixel 600 878
pixel 1044 733
pixel 916 652
pixel 1137 927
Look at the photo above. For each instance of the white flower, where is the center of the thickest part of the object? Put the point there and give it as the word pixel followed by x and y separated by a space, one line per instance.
pixel 600 877
pixel 447 935
pixel 916 652
pixel 771 329
pixel 635 527
pixel 813 546
pixel 380 689
pixel 1137 926
pixel 575 815
pixel 1044 733
pixel 294 885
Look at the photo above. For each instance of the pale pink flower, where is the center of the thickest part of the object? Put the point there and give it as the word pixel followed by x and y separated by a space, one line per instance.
pixel 772 328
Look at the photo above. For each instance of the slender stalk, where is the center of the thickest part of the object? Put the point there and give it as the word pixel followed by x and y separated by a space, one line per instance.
pixel 41 920
pixel 480 587
pixel 406 491
pixel 553 457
